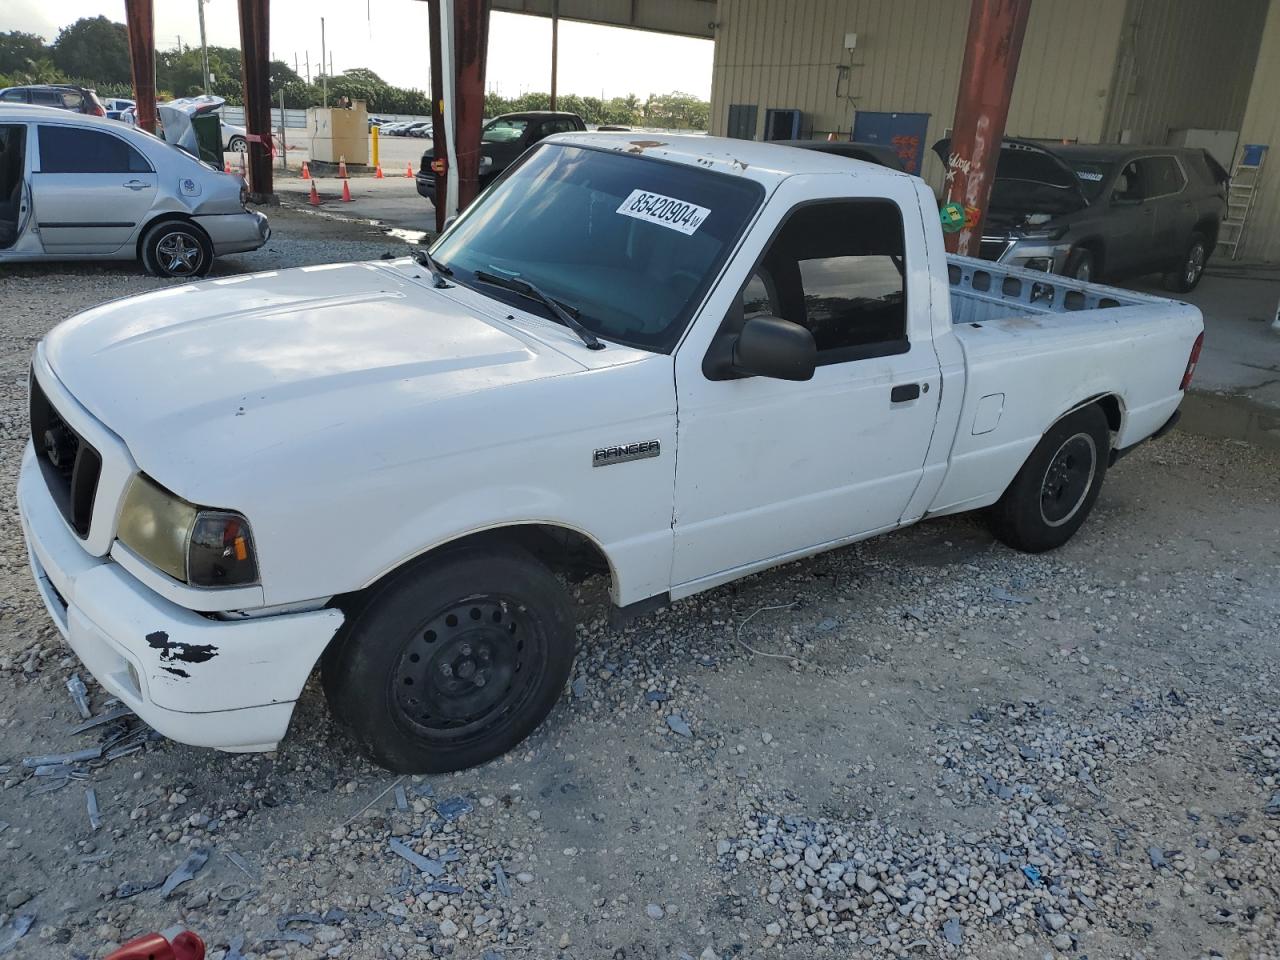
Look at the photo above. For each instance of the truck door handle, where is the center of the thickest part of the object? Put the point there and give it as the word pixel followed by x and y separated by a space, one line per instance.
pixel 904 392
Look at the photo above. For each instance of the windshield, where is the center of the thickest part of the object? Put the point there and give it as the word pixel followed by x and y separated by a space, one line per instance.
pixel 504 131
pixel 629 242
pixel 1092 175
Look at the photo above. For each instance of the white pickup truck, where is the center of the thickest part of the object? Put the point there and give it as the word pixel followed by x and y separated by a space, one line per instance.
pixel 675 362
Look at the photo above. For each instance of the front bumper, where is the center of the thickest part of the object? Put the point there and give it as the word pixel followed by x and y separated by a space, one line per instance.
pixel 1034 254
pixel 236 232
pixel 426 185
pixel 229 684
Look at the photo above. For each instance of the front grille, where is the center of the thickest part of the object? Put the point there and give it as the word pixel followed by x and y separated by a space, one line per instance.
pixel 69 464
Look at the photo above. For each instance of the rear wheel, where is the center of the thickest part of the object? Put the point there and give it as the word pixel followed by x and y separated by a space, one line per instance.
pixel 176 249
pixel 453 662
pixel 1056 488
pixel 1187 278
pixel 237 143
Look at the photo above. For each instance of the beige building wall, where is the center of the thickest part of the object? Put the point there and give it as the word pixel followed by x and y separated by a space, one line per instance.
pixel 790 54
pixel 1183 63
pixel 1262 125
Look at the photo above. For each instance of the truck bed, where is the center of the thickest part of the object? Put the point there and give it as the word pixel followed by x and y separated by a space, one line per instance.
pixel 1036 345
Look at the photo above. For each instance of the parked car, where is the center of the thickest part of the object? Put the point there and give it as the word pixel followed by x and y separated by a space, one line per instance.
pixel 62 96
pixel 421 128
pixel 877 153
pixel 502 140
pixel 378 466
pixel 119 108
pixel 1105 210
pixel 83 188
pixel 376 122
pixel 392 129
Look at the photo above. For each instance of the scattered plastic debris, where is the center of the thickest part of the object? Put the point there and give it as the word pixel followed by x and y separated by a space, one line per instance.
pixel 116 713
pixel 1156 856
pixel 330 916
pixel 402 801
pixel 500 877
pixel 291 936
pixel 449 889
pixel 579 688
pixel 453 808
pixel 185 871
pixel 91 804
pixel 1004 596
pixel 80 694
pixel 423 790
pixel 433 868
pixel 132 888
pixel 241 863
pixel 657 696
pixel 679 725
pixel 63 759
pixel 1032 873
pixel 953 932
pixel 15 931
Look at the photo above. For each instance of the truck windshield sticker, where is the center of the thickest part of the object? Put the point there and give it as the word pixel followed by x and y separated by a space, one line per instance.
pixel 1088 175
pixel 664 211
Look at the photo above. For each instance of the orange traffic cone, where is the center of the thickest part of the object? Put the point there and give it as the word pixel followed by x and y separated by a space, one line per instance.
pixel 408 170
pixel 346 191
pixel 342 166
pixel 306 171
pixel 315 195
pixel 377 172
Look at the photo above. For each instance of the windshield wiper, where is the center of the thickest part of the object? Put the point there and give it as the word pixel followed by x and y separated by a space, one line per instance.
pixel 438 270
pixel 527 289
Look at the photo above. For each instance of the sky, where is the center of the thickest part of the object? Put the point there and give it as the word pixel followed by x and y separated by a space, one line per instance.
pixel 594 60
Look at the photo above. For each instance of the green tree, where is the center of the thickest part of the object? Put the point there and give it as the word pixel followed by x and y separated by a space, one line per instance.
pixel 94 48
pixel 19 52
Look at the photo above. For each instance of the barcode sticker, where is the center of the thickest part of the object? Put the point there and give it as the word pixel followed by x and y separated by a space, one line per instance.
pixel 664 211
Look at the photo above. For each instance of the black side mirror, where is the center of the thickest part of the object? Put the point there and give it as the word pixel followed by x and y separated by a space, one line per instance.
pixel 772 347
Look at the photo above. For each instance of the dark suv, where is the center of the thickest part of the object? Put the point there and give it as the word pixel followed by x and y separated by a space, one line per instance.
pixel 64 96
pixel 502 140
pixel 1104 210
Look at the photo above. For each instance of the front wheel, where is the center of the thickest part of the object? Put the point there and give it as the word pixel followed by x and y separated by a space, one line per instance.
pixel 236 144
pixel 1056 488
pixel 1080 265
pixel 452 662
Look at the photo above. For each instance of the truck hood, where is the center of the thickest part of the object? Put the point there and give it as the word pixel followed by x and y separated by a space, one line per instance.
pixel 234 367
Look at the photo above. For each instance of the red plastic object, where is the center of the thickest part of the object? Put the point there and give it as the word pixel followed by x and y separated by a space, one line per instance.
pixel 185 946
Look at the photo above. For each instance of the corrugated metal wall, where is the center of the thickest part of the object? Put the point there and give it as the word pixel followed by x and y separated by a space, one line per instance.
pixel 908 56
pixel 1183 63
pixel 1262 125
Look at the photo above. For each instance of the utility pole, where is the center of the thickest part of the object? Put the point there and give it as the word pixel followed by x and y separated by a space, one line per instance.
pixel 324 77
pixel 204 49
pixel 555 47
pixel 308 54
pixel 991 52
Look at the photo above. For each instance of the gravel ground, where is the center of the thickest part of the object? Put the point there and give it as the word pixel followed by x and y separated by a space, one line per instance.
pixel 922 745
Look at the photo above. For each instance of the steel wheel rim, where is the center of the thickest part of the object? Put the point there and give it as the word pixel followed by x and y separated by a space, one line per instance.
pixel 1067 479
pixel 1195 263
pixel 469 667
pixel 179 254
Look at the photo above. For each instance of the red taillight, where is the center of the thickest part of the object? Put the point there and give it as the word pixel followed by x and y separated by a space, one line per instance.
pixel 98 111
pixel 1192 361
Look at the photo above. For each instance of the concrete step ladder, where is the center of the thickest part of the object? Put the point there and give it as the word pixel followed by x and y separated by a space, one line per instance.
pixel 1245 179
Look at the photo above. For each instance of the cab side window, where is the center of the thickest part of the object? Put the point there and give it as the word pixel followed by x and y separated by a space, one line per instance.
pixel 837 269
pixel 1163 175
pixel 1129 185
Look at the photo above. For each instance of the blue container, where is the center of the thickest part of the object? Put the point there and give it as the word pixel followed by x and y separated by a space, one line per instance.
pixel 1253 154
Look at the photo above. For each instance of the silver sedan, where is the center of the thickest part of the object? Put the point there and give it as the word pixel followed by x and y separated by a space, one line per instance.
pixel 76 187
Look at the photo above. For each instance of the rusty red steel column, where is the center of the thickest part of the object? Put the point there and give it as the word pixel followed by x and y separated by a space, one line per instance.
pixel 440 151
pixel 992 49
pixel 255 60
pixel 139 17
pixel 471 39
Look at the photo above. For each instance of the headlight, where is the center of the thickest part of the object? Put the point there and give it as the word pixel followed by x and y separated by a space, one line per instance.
pixel 196 545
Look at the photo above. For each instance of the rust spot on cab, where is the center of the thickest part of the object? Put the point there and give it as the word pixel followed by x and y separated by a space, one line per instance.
pixel 640 146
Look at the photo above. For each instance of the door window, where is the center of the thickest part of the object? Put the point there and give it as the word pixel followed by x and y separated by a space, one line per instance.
pixel 1162 176
pixel 838 270
pixel 504 131
pixel 76 150
pixel 14 96
pixel 1130 185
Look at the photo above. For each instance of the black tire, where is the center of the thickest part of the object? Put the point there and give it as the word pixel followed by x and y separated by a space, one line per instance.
pixel 237 143
pixel 452 662
pixel 176 248
pixel 1080 265
pixel 1187 277
pixel 1056 488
